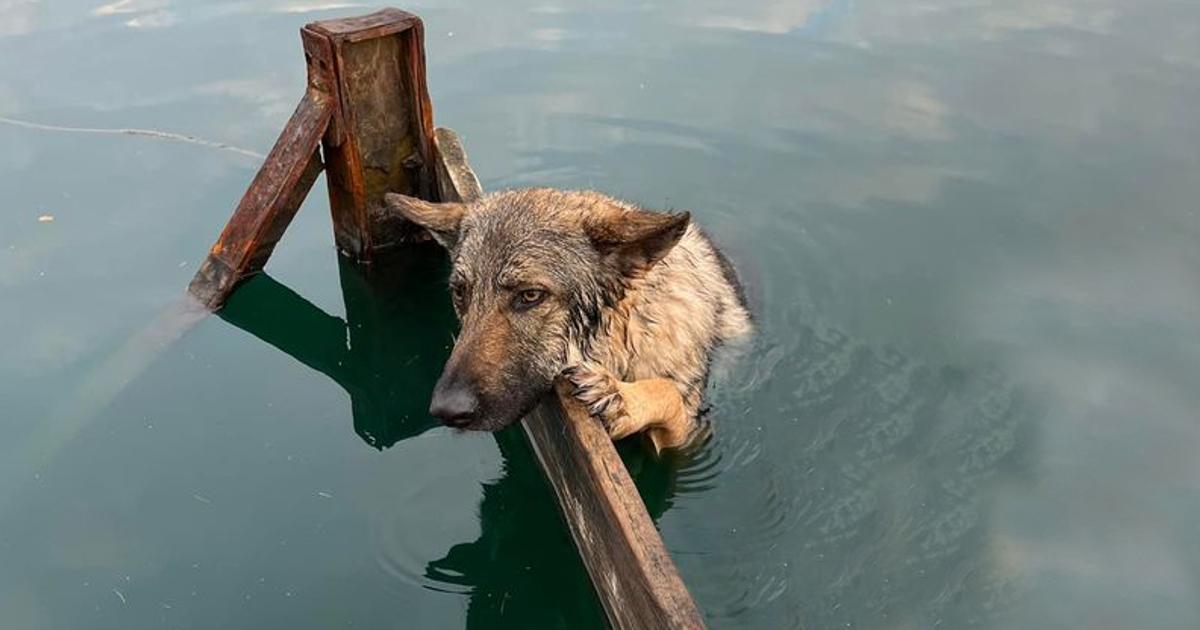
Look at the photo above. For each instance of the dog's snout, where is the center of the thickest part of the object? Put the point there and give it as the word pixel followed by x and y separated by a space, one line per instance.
pixel 454 404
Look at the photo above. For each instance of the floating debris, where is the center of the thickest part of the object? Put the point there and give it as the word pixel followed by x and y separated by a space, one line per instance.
pixel 45 218
pixel 325 495
pixel 121 596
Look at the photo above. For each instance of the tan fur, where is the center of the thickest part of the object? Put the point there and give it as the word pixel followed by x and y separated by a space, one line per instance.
pixel 661 334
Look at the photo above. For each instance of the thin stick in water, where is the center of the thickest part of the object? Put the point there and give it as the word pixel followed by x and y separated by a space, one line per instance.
pixel 146 133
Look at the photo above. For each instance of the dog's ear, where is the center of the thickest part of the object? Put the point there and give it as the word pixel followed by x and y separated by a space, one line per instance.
pixel 441 219
pixel 635 240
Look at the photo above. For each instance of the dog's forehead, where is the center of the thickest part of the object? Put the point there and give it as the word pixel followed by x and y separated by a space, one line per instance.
pixel 505 241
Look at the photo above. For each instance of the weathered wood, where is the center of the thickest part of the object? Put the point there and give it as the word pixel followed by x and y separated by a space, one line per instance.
pixel 456 180
pixel 635 579
pixel 384 22
pixel 268 205
pixel 382 139
pixel 367 105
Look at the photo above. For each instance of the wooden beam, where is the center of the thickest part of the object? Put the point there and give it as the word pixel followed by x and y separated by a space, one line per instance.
pixel 633 575
pixel 367 105
pixel 382 139
pixel 268 205
pixel 456 180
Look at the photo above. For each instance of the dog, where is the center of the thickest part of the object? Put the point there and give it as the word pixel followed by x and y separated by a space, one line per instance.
pixel 626 304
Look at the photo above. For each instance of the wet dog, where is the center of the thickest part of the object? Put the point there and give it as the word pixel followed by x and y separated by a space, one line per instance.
pixel 627 304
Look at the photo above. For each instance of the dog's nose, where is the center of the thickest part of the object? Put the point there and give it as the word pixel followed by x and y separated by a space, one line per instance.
pixel 454 405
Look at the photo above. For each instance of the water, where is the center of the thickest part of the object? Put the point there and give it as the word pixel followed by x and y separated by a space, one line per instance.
pixel 970 231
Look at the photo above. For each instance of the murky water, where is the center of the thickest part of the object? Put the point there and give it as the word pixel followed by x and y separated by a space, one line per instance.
pixel 971 230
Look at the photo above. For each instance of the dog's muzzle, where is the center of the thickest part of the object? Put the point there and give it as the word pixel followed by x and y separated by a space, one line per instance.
pixel 454 402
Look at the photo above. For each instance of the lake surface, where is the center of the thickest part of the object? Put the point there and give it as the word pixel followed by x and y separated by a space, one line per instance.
pixel 972 236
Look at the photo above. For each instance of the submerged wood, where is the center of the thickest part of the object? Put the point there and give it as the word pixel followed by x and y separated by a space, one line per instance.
pixel 367 106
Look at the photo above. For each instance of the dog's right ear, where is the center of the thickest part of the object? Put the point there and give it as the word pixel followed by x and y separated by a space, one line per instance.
pixel 441 219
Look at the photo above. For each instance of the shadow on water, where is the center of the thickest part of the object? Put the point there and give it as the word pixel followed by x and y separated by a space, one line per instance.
pixel 523 570
pixel 386 353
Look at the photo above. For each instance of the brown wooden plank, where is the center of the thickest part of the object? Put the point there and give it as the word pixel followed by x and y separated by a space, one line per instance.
pixel 268 205
pixel 382 139
pixel 381 23
pixel 456 180
pixel 635 579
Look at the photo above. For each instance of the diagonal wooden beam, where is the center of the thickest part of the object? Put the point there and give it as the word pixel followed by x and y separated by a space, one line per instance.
pixel 269 204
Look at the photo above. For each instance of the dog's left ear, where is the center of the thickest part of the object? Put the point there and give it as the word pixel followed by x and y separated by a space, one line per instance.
pixel 635 240
pixel 441 219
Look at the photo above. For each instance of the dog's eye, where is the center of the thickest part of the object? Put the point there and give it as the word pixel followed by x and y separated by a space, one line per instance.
pixel 530 297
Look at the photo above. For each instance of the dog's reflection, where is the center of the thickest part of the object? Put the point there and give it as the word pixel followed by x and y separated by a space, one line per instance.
pixel 523 570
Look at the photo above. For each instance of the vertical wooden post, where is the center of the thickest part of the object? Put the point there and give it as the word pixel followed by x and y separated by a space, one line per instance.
pixel 382 137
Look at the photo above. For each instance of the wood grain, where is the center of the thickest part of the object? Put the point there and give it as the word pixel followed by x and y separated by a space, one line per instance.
pixel 367 105
pixel 456 180
pixel 268 205
pixel 382 137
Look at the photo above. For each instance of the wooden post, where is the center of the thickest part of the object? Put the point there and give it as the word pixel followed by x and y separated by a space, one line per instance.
pixel 367 105
pixel 382 137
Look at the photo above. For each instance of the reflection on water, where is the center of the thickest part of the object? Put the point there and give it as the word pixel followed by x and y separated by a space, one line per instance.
pixel 380 354
pixel 385 355
pixel 522 558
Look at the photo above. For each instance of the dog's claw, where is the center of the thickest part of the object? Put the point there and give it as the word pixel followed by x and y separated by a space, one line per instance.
pixel 596 388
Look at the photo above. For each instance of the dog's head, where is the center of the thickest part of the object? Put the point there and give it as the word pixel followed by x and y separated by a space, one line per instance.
pixel 532 271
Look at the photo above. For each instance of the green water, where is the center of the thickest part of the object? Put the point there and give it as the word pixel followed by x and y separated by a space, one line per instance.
pixel 971 231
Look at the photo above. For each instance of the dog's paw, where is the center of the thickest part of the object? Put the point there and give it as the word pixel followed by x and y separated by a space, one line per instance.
pixel 596 388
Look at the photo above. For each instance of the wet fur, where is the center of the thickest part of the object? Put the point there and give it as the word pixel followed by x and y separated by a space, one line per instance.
pixel 637 303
